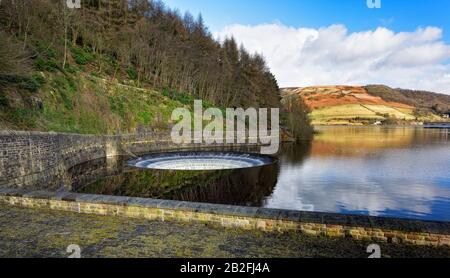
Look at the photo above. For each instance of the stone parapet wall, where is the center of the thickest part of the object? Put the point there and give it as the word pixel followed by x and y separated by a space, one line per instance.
pixel 315 224
pixel 40 160
pixel 150 142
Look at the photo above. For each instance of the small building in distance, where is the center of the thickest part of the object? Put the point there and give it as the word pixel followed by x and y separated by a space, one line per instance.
pixel 378 123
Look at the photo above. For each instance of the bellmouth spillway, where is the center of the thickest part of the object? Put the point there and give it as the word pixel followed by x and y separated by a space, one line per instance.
pixel 200 161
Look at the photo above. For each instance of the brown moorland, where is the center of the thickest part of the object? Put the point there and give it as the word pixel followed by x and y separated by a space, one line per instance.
pixel 326 96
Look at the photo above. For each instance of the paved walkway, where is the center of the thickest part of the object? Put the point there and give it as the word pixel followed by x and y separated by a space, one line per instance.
pixel 46 233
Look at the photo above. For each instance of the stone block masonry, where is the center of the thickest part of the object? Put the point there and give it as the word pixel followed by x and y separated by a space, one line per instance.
pixel 315 224
pixel 40 160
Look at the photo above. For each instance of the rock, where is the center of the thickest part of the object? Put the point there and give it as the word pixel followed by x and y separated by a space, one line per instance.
pixel 36 103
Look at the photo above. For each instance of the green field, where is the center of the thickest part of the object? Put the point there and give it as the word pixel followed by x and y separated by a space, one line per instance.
pixel 360 114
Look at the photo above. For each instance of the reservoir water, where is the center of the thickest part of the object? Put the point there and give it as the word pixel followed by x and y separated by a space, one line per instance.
pixel 380 171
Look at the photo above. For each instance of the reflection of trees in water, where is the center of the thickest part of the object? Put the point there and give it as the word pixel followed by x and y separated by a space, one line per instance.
pixel 237 187
pixel 367 141
pixel 296 153
pixel 146 183
pixel 89 172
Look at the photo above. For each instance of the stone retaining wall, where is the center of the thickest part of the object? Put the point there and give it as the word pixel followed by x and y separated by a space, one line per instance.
pixel 37 159
pixel 311 223
pixel 40 160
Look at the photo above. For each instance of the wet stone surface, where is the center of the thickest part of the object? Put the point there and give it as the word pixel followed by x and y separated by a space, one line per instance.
pixel 45 233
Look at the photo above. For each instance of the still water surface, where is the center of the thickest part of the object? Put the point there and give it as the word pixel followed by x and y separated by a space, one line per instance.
pixel 396 172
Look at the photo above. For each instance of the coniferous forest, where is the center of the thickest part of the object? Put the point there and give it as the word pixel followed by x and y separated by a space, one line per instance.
pixel 144 39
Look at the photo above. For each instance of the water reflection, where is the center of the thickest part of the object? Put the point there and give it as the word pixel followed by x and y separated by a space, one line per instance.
pixel 400 172
pixel 248 187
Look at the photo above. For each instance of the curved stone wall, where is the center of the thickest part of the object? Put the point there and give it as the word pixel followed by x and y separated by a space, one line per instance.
pixel 358 227
pixel 40 160
pixel 37 159
pixel 34 160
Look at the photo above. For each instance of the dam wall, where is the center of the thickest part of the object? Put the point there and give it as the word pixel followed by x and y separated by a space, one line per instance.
pixel 40 160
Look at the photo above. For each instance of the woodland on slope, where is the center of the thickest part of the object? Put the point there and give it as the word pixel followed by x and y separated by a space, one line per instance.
pixel 114 65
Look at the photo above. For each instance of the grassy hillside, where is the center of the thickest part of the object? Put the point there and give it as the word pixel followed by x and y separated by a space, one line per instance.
pixel 360 114
pixel 422 100
pixel 347 105
pixel 114 65
pixel 81 99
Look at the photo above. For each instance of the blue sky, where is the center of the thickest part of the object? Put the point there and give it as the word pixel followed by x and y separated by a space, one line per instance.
pixel 398 15
pixel 405 43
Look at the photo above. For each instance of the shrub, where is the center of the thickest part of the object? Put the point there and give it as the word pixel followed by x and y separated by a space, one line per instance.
pixel 44 64
pixel 31 84
pixel 183 98
pixel 132 74
pixel 82 56
pixel 297 120
pixel 39 79
pixel 46 49
pixel 22 116
pixel 166 92
pixel 3 100
pixel 110 60
pixel 72 86
pixel 70 69
pixel 390 120
pixel 117 105
pixel 66 87
pixel 180 97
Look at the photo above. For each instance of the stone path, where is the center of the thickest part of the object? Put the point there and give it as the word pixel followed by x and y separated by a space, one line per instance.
pixel 45 233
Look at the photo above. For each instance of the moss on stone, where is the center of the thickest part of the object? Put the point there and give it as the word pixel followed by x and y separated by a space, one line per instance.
pixel 46 233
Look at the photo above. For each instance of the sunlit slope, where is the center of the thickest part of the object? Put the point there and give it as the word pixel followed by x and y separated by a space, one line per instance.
pixel 357 113
pixel 78 102
pixel 347 105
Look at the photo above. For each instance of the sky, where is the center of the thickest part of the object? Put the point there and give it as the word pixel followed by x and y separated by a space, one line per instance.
pixel 404 43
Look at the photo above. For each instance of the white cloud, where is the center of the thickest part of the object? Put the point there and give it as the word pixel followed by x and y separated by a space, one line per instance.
pixel 332 55
pixel 318 185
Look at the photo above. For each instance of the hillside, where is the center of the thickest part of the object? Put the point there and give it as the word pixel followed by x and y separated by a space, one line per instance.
pixel 355 105
pixel 82 103
pixel 80 98
pixel 115 65
pixel 422 100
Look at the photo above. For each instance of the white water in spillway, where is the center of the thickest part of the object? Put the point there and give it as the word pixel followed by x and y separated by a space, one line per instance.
pixel 200 161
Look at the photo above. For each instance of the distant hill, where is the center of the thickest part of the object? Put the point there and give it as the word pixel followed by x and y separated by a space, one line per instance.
pixel 358 105
pixel 437 103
